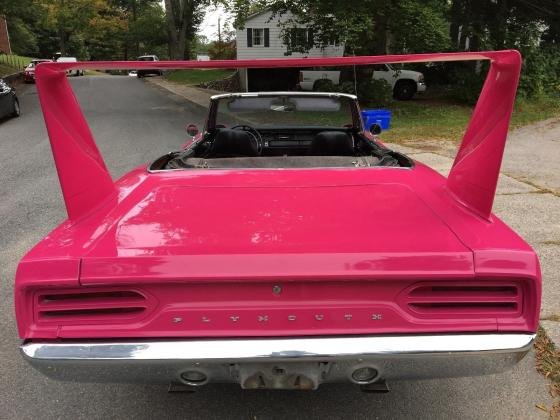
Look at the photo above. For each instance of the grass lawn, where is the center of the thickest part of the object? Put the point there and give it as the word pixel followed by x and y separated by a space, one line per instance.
pixel 425 119
pixel 10 64
pixel 548 364
pixel 95 73
pixel 7 70
pixel 196 76
pixel 412 122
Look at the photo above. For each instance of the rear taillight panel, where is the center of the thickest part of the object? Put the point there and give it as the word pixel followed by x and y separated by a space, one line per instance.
pixel 276 308
pixel 71 307
pixel 463 300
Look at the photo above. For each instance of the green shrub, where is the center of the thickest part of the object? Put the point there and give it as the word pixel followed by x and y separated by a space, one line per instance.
pixel 373 92
pixel 540 74
pixel 324 85
pixel 347 87
pixel 370 92
pixel 466 84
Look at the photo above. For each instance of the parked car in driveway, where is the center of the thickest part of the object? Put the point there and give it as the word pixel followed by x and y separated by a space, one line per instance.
pixel 9 103
pixel 29 71
pixel 147 71
pixel 283 246
pixel 74 72
pixel 404 83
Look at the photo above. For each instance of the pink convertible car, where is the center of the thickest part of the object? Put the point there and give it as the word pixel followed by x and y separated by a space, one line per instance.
pixel 283 247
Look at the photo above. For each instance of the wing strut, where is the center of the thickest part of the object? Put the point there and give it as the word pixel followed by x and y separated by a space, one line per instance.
pixel 86 182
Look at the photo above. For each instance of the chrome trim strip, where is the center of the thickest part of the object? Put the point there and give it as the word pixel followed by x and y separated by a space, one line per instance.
pixel 279 348
pixel 334 168
pixel 281 93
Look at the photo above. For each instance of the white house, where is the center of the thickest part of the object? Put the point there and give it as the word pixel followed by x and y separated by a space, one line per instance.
pixel 261 38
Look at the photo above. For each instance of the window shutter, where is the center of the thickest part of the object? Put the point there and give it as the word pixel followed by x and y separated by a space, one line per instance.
pixel 266 37
pixel 310 39
pixel 291 39
pixel 249 37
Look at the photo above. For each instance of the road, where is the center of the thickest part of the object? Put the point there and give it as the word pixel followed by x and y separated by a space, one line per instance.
pixel 134 122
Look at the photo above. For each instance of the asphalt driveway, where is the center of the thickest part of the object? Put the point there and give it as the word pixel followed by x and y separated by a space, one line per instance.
pixel 134 122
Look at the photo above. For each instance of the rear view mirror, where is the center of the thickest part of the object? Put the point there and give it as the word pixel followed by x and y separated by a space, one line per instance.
pixel 375 129
pixel 4 88
pixel 282 105
pixel 192 130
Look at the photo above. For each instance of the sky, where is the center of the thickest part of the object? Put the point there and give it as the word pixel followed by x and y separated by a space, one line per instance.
pixel 209 26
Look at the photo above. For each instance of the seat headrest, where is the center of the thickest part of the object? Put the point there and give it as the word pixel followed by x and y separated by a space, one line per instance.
pixel 331 143
pixel 234 143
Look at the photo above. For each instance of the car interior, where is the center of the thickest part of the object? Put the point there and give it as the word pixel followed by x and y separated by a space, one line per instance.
pixel 244 146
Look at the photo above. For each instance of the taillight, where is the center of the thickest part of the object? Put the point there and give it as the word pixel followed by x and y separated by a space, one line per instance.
pixel 454 300
pixel 93 306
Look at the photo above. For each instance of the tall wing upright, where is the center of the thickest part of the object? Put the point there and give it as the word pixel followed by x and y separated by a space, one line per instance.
pixel 474 175
pixel 83 175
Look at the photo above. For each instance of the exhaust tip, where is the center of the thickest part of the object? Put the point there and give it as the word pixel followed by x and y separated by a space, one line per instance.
pixel 194 377
pixel 364 375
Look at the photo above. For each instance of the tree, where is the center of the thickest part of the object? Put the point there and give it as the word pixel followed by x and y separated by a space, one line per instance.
pixel 149 30
pixel 145 19
pixel 201 43
pixel 15 8
pixel 364 26
pixel 183 18
pixel 224 47
pixel 22 39
pixel 67 18
pixel 105 35
pixel 419 26
pixel 241 9
pixel 88 29
pixel 22 17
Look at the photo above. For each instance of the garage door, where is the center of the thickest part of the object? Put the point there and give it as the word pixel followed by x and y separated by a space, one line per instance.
pixel 272 79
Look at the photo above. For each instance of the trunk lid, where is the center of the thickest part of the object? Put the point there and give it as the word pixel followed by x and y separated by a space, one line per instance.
pixel 218 232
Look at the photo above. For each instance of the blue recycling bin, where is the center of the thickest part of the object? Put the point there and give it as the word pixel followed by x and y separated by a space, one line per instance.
pixel 379 116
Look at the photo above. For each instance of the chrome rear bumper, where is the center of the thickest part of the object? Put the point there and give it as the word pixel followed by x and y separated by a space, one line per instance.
pixel 279 362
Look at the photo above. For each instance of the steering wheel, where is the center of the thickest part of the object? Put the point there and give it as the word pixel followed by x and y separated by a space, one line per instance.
pixel 255 135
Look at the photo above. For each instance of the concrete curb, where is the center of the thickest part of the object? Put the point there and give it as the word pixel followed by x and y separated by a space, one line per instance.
pixel 199 97
pixel 196 96
pixel 11 78
pixel 552 329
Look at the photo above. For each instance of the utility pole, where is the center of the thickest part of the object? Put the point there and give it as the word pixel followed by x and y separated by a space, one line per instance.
pixel 220 37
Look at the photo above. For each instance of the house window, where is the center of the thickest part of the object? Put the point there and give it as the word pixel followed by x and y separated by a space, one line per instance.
pixel 258 37
pixel 298 40
pixel 333 42
pixel 380 67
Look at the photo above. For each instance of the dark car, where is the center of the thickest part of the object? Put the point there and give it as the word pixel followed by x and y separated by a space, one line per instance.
pixel 146 72
pixel 9 104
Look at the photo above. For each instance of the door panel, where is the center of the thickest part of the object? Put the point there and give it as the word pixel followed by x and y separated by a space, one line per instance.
pixel 5 103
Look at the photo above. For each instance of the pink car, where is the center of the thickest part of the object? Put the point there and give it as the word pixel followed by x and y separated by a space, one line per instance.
pixel 282 247
pixel 29 71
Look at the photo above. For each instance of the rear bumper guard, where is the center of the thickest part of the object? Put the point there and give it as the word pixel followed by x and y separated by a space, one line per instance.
pixel 296 363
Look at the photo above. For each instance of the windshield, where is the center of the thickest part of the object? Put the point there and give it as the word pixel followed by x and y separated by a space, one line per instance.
pixel 286 111
pixel 34 63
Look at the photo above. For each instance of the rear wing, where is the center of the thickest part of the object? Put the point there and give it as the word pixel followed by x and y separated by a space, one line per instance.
pixel 86 182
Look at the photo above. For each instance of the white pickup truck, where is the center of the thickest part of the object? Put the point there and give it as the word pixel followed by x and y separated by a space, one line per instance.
pixel 405 83
pixel 70 60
